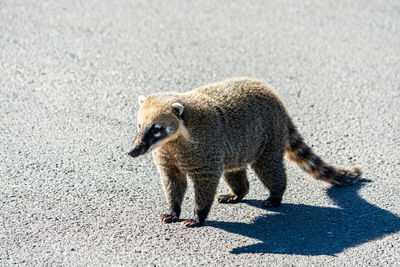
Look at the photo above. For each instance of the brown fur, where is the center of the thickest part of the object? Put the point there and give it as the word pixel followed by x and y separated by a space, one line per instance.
pixel 224 127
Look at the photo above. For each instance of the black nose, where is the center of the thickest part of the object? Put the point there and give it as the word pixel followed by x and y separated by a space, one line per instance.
pixel 134 153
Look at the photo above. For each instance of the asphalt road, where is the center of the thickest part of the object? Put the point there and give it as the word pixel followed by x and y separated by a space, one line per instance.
pixel 70 73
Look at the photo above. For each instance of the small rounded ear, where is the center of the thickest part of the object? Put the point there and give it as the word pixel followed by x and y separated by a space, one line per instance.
pixel 177 108
pixel 141 99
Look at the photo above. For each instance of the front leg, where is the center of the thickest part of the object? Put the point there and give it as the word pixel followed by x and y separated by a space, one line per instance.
pixel 175 184
pixel 205 189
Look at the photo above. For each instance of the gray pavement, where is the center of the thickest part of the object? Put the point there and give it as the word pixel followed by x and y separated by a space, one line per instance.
pixel 70 73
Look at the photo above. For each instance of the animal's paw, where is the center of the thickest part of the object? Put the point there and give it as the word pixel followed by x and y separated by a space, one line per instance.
pixel 228 198
pixel 168 218
pixel 191 223
pixel 271 202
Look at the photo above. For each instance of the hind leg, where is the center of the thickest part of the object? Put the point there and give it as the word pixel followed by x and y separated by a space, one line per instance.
pixel 238 184
pixel 270 169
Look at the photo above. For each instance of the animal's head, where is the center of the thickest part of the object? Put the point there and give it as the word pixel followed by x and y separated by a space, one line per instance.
pixel 160 120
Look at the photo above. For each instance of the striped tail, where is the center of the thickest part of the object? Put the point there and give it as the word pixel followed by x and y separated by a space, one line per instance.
pixel 311 163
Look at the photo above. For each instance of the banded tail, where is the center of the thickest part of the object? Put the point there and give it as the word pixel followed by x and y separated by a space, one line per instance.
pixel 299 152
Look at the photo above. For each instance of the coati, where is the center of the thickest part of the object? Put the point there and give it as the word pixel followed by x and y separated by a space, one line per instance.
pixel 217 131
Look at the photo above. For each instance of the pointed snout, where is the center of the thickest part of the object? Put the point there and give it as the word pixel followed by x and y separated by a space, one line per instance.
pixel 135 152
pixel 139 146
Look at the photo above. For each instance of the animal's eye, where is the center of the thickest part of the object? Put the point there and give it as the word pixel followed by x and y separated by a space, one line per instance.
pixel 156 130
pixel 157 127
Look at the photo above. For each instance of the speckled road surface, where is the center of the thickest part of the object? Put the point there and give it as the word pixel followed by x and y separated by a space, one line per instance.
pixel 70 73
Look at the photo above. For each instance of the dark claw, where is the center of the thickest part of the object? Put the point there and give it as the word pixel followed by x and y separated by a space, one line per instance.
pixel 271 203
pixel 168 218
pixel 191 223
pixel 228 199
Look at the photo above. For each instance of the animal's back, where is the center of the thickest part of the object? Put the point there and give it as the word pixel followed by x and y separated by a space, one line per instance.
pixel 250 116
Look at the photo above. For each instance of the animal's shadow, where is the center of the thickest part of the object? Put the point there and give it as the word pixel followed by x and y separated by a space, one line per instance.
pixel 308 230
